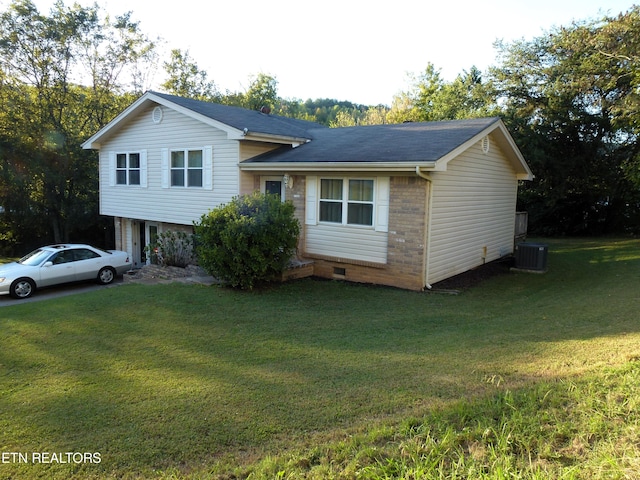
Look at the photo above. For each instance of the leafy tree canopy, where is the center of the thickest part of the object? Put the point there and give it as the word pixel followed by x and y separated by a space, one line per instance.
pixel 63 76
pixel 185 79
pixel 571 99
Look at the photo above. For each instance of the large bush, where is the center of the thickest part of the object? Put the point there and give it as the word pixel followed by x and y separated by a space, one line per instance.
pixel 248 241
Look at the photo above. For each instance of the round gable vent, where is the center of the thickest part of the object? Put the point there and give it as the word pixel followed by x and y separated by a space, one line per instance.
pixel 156 115
pixel 486 143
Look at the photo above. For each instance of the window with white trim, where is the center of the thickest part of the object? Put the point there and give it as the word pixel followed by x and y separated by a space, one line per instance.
pixel 187 168
pixel 127 168
pixel 346 201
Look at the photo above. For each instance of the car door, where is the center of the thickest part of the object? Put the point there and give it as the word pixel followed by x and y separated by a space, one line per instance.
pixel 88 263
pixel 59 268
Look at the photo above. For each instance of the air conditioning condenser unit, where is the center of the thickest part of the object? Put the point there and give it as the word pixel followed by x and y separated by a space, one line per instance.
pixel 531 256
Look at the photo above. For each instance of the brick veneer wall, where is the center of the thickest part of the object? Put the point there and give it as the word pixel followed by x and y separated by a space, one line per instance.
pixel 407 231
pixel 406 239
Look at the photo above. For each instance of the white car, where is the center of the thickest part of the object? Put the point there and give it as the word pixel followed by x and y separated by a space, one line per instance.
pixel 58 264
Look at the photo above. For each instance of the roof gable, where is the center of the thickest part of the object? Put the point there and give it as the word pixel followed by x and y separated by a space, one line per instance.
pixel 238 123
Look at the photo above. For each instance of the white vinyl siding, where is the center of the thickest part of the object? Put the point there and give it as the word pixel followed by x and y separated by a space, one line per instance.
pixel 347 243
pixel 157 202
pixel 340 240
pixel 472 212
pixel 252 149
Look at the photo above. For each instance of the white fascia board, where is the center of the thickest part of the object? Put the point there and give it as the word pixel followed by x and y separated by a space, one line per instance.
pixel 94 141
pixel 265 137
pixel 442 161
pixel 139 104
pixel 504 139
pixel 232 133
pixel 525 173
pixel 339 166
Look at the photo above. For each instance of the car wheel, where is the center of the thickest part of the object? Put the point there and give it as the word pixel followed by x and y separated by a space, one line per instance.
pixel 22 288
pixel 106 275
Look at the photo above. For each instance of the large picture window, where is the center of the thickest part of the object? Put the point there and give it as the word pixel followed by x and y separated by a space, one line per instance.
pixel 346 201
pixel 128 169
pixel 186 168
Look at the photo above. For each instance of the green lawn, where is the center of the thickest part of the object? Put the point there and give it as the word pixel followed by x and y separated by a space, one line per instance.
pixel 522 376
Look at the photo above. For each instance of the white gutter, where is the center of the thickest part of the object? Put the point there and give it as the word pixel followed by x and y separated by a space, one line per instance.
pixel 427 214
pixel 267 137
pixel 336 166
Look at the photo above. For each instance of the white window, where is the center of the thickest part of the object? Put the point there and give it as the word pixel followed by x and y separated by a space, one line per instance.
pixel 187 168
pixel 346 201
pixel 128 168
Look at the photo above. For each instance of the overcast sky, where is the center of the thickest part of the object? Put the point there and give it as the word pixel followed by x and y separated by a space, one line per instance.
pixel 356 50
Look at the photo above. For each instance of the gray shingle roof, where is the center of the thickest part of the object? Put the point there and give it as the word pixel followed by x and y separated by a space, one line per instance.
pixel 406 142
pixel 241 118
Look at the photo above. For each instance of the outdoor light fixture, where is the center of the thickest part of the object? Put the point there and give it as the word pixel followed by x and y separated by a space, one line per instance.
pixel 288 181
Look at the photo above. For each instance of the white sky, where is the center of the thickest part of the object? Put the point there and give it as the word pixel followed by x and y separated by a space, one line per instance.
pixel 356 50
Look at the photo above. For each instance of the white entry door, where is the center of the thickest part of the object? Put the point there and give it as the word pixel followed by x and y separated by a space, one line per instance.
pixel 138 243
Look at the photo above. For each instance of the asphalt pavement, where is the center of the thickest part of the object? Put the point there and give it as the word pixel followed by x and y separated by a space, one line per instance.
pixel 58 291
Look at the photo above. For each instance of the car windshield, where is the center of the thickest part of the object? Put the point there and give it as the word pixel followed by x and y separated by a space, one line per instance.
pixel 35 258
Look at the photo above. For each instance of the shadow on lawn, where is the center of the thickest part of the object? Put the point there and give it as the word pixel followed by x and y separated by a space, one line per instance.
pixel 198 372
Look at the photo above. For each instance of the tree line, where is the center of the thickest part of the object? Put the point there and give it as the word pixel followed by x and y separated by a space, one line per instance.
pixel 570 98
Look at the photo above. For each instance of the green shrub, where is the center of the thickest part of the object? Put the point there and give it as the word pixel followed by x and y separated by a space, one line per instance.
pixel 172 249
pixel 249 240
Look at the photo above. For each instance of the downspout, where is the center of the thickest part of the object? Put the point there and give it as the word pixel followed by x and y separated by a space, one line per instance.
pixel 427 220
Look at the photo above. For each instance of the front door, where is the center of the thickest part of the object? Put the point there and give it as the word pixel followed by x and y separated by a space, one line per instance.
pixel 152 237
pixel 272 185
pixel 138 238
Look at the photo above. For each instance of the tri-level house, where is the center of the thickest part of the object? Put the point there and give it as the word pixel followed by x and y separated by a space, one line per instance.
pixel 404 205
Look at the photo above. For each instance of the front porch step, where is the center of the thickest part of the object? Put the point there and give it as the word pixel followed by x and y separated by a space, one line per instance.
pixel 298 268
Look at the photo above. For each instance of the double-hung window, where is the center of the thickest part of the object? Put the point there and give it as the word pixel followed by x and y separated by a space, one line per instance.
pixel 187 168
pixel 346 201
pixel 128 169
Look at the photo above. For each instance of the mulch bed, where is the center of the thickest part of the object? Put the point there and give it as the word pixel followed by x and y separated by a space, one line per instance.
pixel 473 277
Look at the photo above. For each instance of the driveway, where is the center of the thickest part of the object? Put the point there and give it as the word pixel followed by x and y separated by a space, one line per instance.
pixel 58 291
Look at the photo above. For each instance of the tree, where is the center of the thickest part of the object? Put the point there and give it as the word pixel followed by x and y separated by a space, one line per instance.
pixel 371 116
pixel 185 78
pixel 568 97
pixel 430 98
pixel 262 92
pixel 248 241
pixel 321 110
pixel 63 77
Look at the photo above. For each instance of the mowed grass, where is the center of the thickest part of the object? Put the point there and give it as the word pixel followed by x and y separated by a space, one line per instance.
pixel 521 376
